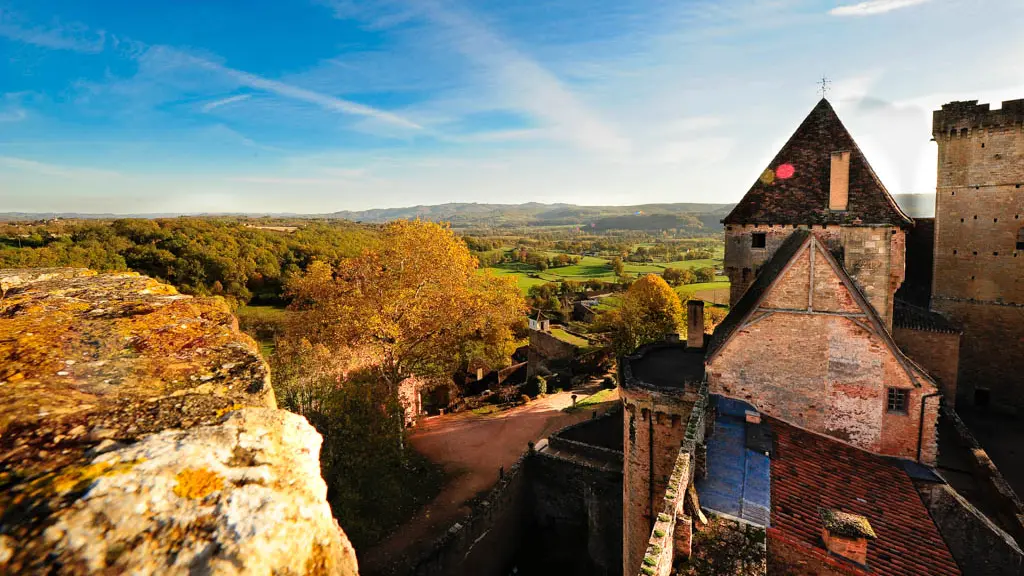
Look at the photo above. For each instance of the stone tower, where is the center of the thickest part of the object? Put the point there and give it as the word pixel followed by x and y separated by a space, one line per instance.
pixel 820 180
pixel 978 276
pixel 660 384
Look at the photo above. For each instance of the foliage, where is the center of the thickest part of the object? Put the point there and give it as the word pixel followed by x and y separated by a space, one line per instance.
pixel 678 276
pixel 705 274
pixel 372 484
pixel 413 305
pixel 198 255
pixel 538 385
pixel 650 309
pixel 699 254
pixel 617 266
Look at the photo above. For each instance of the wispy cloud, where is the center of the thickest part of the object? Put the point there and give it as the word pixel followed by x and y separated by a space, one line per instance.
pixel 296 93
pixel 14 115
pixel 76 37
pixel 223 101
pixel 872 7
pixel 48 169
pixel 524 82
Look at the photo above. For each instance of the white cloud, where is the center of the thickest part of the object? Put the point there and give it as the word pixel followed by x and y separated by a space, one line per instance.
pixel 223 101
pixel 76 37
pixel 46 169
pixel 872 7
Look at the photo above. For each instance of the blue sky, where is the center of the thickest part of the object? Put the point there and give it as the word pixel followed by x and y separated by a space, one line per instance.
pixel 315 106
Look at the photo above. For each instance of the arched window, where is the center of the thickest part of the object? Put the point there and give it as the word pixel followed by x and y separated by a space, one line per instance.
pixel 1020 239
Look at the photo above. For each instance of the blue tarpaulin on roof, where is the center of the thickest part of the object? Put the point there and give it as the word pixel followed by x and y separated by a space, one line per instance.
pixel 739 479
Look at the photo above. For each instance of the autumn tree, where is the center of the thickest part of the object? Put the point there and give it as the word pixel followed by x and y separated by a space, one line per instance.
pixel 617 266
pixel 650 309
pixel 677 276
pixel 413 304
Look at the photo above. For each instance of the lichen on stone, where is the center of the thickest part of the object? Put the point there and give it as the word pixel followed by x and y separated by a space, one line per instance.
pixel 197 483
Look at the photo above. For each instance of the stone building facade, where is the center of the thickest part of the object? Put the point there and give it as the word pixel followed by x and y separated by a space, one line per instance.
pixel 978 274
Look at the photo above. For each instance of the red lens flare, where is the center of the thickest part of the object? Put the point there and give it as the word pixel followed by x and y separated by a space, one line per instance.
pixel 785 171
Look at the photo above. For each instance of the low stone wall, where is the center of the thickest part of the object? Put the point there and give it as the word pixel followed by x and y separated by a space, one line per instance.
pixel 980 547
pixel 484 542
pixel 994 487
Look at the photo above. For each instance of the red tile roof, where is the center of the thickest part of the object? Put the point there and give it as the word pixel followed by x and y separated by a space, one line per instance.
pixel 794 189
pixel 810 471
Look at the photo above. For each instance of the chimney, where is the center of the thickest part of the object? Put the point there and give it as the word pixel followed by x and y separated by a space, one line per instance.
pixel 695 324
pixel 846 535
pixel 839 181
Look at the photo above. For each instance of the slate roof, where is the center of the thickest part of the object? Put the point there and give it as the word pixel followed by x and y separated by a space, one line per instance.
pixel 802 198
pixel 906 315
pixel 810 472
pixel 750 299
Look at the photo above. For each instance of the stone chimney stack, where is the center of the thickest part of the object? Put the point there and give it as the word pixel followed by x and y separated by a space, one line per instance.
pixel 839 181
pixel 846 535
pixel 695 324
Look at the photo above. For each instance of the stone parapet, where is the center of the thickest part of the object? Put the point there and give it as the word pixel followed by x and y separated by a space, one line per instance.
pixel 139 434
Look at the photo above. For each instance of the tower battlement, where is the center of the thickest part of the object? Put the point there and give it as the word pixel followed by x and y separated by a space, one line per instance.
pixel 968 114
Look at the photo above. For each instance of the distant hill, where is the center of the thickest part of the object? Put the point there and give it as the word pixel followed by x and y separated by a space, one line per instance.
pixel 636 217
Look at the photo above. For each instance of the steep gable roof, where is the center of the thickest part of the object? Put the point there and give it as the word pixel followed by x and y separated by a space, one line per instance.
pixel 773 271
pixel 798 192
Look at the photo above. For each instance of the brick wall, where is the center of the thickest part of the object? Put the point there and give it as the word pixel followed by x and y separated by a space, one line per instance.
pixel 936 352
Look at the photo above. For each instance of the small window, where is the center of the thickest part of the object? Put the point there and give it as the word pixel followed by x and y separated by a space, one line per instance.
pixel 1020 239
pixel 632 429
pixel 982 397
pixel 897 401
pixel 758 240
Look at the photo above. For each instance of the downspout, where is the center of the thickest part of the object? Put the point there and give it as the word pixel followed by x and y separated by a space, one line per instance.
pixel 920 424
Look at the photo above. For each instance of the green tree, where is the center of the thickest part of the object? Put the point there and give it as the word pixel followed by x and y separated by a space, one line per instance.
pixel 705 274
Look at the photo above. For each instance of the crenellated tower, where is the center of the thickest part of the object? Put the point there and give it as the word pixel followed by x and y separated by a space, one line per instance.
pixel 978 275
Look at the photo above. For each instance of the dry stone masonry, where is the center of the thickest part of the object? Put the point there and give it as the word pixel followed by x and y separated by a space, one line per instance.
pixel 139 434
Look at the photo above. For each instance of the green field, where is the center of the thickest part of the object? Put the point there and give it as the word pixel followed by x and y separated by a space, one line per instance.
pixel 569 338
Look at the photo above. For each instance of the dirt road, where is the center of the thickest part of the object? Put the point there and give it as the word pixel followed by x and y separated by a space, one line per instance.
pixel 471 448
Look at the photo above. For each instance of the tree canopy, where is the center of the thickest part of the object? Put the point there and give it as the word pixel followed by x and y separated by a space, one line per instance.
pixel 650 309
pixel 413 304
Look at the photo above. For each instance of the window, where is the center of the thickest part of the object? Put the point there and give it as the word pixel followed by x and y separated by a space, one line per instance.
pixel 982 396
pixel 1020 239
pixel 897 401
pixel 758 239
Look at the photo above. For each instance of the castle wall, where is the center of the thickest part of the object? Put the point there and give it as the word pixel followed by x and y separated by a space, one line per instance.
pixel 654 424
pixel 874 256
pixel 577 518
pixel 979 214
pixel 827 374
pixel 936 352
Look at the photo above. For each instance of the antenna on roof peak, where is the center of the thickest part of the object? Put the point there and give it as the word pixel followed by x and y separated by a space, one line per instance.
pixel 823 86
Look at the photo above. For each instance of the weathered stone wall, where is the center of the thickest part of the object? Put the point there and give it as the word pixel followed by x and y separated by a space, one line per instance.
pixel 872 256
pixel 936 352
pixel 816 360
pixel 979 213
pixel 138 434
pixel 576 525
pixel 980 547
pixel 654 425
pixel 548 353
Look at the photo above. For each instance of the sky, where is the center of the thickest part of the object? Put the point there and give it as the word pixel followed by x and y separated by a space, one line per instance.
pixel 315 106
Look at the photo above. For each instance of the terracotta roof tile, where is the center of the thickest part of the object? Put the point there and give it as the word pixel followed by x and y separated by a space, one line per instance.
pixel 810 471
pixel 794 188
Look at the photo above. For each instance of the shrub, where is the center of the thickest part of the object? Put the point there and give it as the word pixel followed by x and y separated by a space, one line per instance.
pixel 538 385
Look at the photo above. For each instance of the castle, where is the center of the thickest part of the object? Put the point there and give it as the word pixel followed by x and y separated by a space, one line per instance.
pixel 811 416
